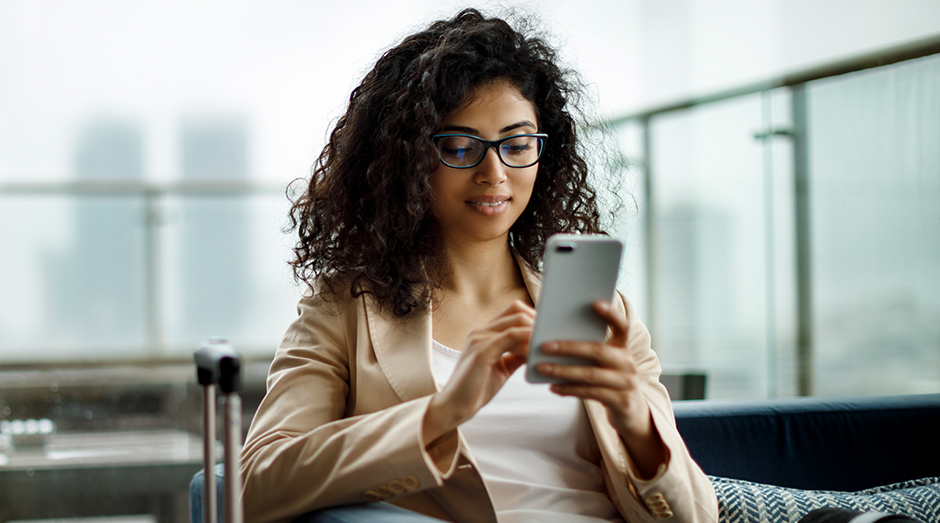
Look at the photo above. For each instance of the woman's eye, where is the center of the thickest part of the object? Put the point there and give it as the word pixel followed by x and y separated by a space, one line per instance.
pixel 517 146
pixel 455 150
pixel 457 153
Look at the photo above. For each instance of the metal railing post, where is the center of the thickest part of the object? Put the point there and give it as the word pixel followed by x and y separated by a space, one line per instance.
pixel 804 291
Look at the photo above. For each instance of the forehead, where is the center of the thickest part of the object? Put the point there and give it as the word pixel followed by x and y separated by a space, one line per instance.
pixel 497 102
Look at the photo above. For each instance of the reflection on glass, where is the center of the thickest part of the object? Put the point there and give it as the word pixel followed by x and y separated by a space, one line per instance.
pixel 708 286
pixel 875 196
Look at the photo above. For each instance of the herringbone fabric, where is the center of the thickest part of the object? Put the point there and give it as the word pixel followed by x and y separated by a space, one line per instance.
pixel 746 502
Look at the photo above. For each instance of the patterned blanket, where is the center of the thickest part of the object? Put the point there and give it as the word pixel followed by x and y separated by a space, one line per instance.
pixel 746 502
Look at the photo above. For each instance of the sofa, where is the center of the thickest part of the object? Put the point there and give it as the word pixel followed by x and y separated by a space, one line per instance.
pixel 778 459
pixel 775 460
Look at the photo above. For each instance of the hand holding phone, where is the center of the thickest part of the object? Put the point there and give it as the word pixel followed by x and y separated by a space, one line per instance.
pixel 579 270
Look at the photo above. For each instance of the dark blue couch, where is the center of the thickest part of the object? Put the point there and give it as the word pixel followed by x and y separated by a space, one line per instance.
pixel 777 459
pixel 844 444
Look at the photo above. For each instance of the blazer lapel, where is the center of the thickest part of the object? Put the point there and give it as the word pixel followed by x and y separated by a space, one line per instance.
pixel 403 350
pixel 532 279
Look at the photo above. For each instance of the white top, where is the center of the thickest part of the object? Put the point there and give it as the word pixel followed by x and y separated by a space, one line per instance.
pixel 535 451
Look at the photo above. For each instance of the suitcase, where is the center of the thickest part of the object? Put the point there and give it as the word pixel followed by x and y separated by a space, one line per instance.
pixel 219 367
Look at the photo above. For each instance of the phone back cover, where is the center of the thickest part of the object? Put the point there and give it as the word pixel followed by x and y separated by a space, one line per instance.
pixel 573 282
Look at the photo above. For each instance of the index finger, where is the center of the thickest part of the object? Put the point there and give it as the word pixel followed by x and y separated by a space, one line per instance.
pixel 516 314
pixel 517 308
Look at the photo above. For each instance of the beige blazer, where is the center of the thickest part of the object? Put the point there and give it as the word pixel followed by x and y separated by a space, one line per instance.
pixel 341 424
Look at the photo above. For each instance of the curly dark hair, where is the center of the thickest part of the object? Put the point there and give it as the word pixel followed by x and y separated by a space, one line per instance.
pixel 364 217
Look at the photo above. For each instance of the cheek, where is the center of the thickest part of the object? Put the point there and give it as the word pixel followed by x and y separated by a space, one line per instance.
pixel 527 185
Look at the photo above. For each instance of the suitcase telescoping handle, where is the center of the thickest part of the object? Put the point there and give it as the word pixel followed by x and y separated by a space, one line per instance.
pixel 217 365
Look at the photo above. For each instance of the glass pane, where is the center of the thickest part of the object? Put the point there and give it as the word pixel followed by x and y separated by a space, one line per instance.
pixel 226 272
pixel 630 224
pixel 708 274
pixel 73 276
pixel 875 202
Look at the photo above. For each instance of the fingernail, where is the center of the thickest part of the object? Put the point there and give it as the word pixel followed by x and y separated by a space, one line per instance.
pixel 551 347
pixel 545 368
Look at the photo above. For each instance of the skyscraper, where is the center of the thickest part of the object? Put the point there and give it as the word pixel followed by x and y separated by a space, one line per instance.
pixel 96 284
pixel 215 265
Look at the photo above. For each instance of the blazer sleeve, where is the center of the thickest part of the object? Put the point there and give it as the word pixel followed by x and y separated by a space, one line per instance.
pixel 303 453
pixel 679 489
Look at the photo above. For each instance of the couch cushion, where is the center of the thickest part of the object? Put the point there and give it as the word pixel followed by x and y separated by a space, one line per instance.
pixel 745 502
pixel 844 444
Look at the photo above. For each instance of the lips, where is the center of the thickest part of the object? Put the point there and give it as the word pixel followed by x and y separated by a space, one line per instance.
pixel 492 201
pixel 489 205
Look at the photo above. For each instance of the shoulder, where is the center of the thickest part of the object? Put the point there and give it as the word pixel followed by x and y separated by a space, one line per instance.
pixel 325 310
pixel 334 305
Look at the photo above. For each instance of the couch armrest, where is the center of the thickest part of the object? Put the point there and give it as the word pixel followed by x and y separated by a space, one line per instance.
pixel 845 444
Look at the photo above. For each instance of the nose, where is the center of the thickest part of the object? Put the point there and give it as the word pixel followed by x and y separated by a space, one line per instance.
pixel 490 170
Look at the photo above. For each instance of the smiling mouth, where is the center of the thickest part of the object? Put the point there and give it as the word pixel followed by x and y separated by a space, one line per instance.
pixel 490 205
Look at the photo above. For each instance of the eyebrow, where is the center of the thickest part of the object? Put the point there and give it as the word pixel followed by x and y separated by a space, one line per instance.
pixel 471 130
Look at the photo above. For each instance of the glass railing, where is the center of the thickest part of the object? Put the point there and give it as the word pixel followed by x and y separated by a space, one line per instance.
pixel 792 230
pixel 109 272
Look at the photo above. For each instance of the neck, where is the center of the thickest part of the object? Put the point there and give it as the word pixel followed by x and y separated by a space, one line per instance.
pixel 480 271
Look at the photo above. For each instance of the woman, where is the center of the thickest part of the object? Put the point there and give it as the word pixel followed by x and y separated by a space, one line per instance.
pixel 421 232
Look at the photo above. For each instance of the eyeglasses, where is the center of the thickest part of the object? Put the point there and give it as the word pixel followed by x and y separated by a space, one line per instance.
pixel 463 151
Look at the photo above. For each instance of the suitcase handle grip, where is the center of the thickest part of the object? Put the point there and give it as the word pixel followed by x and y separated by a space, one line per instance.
pixel 217 363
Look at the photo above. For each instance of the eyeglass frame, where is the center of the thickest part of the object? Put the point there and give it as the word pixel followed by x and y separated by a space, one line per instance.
pixel 487 144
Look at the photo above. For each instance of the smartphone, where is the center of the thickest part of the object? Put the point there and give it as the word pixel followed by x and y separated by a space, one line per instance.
pixel 579 270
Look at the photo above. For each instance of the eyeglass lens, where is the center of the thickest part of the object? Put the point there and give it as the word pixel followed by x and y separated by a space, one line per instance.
pixel 515 151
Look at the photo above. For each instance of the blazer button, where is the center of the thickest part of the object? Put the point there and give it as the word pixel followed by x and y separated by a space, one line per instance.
pixel 396 486
pixel 372 495
pixel 384 491
pixel 410 482
pixel 659 506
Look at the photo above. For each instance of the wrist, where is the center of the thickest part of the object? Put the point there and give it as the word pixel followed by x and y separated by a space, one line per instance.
pixel 634 424
pixel 645 446
pixel 437 420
